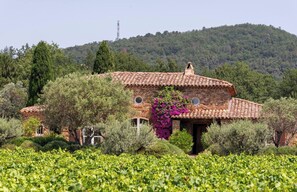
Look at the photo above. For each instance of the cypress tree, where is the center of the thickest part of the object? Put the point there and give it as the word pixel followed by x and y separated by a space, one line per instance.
pixel 41 71
pixel 104 60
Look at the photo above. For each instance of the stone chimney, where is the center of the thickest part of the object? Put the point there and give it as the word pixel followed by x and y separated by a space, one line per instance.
pixel 189 70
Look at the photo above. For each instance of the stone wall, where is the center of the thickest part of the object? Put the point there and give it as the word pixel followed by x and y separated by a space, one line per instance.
pixel 209 98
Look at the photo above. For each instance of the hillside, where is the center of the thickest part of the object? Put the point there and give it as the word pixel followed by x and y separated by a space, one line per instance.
pixel 265 48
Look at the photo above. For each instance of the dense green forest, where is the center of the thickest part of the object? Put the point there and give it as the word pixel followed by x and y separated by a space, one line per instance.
pixel 261 61
pixel 264 48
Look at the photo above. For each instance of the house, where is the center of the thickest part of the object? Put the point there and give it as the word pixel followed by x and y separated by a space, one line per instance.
pixel 211 100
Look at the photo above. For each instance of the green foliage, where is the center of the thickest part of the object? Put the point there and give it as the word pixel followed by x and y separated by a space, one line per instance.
pixel 162 147
pixel 42 141
pixel 26 170
pixel 13 98
pixel 41 71
pixel 236 137
pixel 182 139
pixel 104 60
pixel 46 143
pixel 56 144
pixel 9 146
pixel 281 118
pixel 89 59
pixel 249 84
pixel 122 137
pixel 10 128
pixel 264 48
pixel 125 61
pixel 17 141
pixel 168 65
pixel 30 125
pixel 76 101
pixel 288 85
pixel 15 64
pixel 27 144
pixel 272 150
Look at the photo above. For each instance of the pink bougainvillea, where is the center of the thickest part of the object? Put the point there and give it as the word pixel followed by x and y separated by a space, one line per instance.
pixel 169 102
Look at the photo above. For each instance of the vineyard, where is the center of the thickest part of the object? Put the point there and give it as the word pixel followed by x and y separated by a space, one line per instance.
pixel 25 170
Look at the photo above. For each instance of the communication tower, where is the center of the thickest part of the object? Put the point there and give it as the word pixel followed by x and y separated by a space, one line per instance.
pixel 118 30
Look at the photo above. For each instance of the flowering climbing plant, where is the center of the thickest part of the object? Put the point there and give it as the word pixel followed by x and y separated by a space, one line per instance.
pixel 169 102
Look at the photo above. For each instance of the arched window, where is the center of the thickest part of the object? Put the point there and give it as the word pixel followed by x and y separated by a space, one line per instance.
pixel 40 130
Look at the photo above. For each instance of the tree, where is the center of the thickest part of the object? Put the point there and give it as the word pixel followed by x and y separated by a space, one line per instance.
pixel 104 60
pixel 128 62
pixel 89 59
pixel 122 137
pixel 172 65
pixel 13 98
pixel 288 85
pixel 161 65
pixel 236 137
pixel 281 117
pixel 77 101
pixel 7 68
pixel 10 128
pixel 41 71
pixel 30 126
pixel 249 84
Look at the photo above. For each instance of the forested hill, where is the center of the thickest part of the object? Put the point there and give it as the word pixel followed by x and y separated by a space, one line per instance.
pixel 265 48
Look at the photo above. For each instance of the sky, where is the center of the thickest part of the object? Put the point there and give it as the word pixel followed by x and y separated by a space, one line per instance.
pixel 77 22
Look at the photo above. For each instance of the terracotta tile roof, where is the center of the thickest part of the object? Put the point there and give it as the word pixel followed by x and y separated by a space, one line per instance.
pixel 238 109
pixel 32 109
pixel 167 79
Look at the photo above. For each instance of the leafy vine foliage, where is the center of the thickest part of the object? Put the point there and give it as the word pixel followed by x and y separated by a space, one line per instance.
pixel 168 103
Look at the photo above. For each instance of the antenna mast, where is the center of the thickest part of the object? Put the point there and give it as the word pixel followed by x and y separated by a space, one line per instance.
pixel 118 30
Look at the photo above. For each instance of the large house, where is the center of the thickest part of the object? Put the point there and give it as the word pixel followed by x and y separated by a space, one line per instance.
pixel 212 100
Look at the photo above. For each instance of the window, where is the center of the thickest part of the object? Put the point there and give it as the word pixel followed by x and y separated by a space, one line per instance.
pixel 195 101
pixel 138 122
pixel 40 130
pixel 91 136
pixel 138 100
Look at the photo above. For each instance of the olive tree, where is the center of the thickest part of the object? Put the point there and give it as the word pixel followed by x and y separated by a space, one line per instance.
pixel 77 101
pixel 122 137
pixel 10 128
pixel 281 117
pixel 13 98
pixel 236 137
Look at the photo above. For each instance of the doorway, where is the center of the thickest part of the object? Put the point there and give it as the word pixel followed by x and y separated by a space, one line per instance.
pixel 198 130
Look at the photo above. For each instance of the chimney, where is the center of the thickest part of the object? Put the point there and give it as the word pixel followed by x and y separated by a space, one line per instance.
pixel 189 70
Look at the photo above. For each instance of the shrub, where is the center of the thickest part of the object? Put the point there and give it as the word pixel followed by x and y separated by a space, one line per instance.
pixel 237 137
pixel 10 129
pixel 182 139
pixel 285 150
pixel 121 137
pixel 216 149
pixel 8 146
pixel 47 139
pixel 162 147
pixel 56 144
pixel 30 145
pixel 73 147
pixel 17 141
pixel 30 126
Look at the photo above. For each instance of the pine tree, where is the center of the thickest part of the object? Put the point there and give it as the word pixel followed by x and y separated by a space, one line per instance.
pixel 104 60
pixel 41 71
